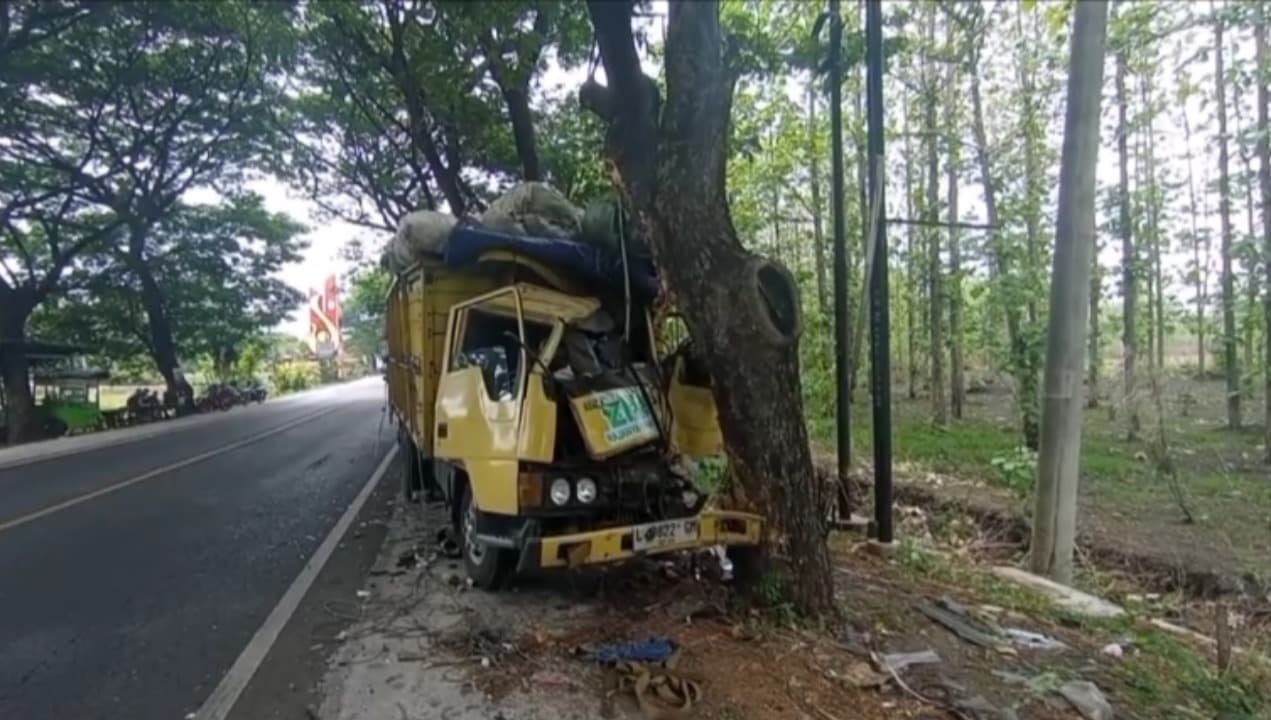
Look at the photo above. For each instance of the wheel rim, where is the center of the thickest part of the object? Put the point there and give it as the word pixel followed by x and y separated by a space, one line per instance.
pixel 475 549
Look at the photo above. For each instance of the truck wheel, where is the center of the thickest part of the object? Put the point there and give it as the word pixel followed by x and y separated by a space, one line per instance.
pixel 488 568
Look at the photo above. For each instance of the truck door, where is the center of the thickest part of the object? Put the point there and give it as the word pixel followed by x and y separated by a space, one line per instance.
pixel 479 396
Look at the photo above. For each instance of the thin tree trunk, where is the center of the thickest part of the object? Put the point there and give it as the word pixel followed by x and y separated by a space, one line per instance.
pixel 935 270
pixel 1249 259
pixel 1002 268
pixel 1154 218
pixel 518 105
pixel 673 166
pixel 814 169
pixel 1264 184
pixel 1055 515
pixel 1231 367
pixel 911 271
pixel 1201 261
pixel 1129 260
pixel 1094 355
pixel 957 379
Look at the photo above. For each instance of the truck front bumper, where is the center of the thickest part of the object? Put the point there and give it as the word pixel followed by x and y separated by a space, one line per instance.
pixel 713 527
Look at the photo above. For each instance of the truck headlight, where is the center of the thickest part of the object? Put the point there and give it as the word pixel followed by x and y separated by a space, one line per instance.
pixel 585 490
pixel 559 491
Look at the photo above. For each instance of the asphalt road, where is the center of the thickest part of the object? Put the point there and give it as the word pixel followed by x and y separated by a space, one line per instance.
pixel 133 603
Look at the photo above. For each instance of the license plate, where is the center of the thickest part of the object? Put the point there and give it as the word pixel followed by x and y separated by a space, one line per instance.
pixel 664 534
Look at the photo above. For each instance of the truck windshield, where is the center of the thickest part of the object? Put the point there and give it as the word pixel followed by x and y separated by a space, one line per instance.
pixel 488 344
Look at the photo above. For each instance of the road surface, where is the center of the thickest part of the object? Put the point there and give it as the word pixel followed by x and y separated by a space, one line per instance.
pixel 133 574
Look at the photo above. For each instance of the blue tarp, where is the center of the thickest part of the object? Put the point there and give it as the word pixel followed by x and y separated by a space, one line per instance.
pixel 595 265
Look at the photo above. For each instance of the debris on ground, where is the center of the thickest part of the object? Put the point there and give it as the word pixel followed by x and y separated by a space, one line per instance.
pixel 957 620
pixel 897 662
pixel 1088 700
pixel 1030 640
pixel 655 649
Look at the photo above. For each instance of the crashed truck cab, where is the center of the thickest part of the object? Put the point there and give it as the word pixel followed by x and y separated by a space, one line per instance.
pixel 557 436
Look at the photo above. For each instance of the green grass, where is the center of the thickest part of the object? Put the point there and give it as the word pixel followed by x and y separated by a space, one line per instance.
pixel 1160 674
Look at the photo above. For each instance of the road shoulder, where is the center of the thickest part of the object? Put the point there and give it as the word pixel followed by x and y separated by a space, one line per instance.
pixel 286 686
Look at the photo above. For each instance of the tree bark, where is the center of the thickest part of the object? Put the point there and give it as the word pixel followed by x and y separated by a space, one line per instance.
pixel 16 306
pixel 935 270
pixel 1129 260
pixel 814 171
pixel 1055 514
pixel 518 103
pixel 1263 61
pixel 162 344
pixel 745 322
pixel 1231 368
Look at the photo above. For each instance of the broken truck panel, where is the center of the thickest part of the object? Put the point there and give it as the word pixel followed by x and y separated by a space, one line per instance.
pixel 552 432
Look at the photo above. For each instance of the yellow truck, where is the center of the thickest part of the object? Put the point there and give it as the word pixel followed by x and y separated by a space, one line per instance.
pixel 531 397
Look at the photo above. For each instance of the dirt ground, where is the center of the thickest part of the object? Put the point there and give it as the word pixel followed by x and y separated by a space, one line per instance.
pixel 427 646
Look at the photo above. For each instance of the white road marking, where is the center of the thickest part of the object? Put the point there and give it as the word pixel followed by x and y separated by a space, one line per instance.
pixel 72 502
pixel 221 701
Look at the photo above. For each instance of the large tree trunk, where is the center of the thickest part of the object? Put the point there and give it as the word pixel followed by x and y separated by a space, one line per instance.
pixel 1055 515
pixel 745 321
pixel 1264 184
pixel 814 170
pixel 1001 268
pixel 1129 270
pixel 1231 367
pixel 19 406
pixel 163 347
pixel 935 270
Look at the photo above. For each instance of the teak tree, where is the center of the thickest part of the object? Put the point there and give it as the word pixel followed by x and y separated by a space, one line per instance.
pixel 670 160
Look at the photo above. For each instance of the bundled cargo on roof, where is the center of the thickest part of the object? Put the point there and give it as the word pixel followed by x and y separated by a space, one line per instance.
pixel 532 208
pixel 534 220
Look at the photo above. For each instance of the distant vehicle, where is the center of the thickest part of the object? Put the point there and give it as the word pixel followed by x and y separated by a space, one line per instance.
pixel 69 400
pixel 219 396
pixel 255 392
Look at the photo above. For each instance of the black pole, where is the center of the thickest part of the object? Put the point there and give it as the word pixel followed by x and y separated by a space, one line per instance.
pixel 879 325
pixel 842 371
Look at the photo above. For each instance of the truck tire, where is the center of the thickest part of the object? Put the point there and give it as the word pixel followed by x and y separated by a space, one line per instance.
pixel 411 484
pixel 488 568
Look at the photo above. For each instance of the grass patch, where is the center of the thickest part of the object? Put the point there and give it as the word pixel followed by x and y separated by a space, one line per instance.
pixel 1166 672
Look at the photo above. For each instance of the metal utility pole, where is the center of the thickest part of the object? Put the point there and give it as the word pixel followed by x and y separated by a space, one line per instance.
pixel 842 370
pixel 879 322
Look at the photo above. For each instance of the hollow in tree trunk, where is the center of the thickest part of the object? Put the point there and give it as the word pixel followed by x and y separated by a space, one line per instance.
pixel 741 310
